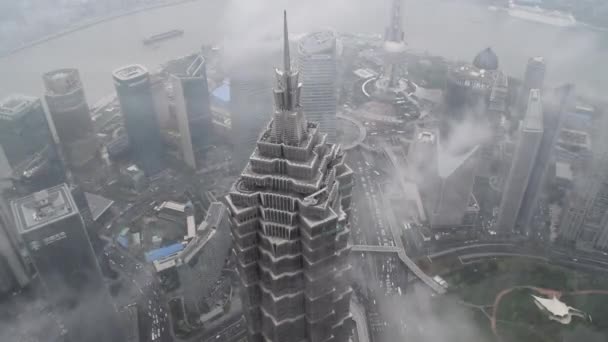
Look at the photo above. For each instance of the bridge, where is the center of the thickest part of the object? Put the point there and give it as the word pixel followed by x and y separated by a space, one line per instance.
pixel 377 249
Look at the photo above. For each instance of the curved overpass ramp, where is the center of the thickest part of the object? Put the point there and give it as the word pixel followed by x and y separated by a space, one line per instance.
pixel 362 132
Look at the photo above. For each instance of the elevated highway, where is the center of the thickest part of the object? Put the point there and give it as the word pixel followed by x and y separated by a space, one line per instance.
pixel 377 249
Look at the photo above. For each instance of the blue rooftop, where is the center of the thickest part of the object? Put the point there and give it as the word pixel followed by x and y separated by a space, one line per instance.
pixel 163 252
pixel 222 92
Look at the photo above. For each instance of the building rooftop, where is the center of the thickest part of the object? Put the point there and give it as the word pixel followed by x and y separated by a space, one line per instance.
pixel 98 204
pixel 16 104
pixel 563 171
pixel 486 60
pixel 538 59
pixel 553 306
pixel 472 77
pixel 365 73
pixel 222 92
pixel 192 66
pixel 180 207
pixel 61 81
pixel 574 138
pixel 533 121
pixel 318 43
pixel 129 72
pixel 42 208
pixel 426 136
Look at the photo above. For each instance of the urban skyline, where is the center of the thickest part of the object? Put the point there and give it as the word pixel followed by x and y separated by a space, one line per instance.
pixel 340 200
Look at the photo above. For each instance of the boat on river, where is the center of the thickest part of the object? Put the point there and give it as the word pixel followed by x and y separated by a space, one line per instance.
pixel 163 36
pixel 539 15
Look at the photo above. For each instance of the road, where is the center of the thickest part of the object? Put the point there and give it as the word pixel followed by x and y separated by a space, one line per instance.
pixel 235 332
pixel 144 289
pixel 382 271
pixel 358 312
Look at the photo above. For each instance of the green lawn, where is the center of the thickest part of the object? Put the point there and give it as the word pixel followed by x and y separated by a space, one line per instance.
pixel 518 319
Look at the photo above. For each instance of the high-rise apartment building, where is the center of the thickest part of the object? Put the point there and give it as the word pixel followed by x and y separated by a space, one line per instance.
pixel 71 117
pixel 318 68
pixel 289 227
pixel 192 108
pixel 53 231
pixel 531 133
pixel 139 110
pixel 27 144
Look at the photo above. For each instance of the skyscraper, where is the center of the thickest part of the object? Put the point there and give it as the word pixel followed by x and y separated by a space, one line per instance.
pixel 54 233
pixel 394 44
pixel 27 144
pixel 193 110
pixel 69 111
pixel 139 109
pixel 534 78
pixel 556 104
pixel 15 271
pixel 289 227
pixel 531 133
pixel 497 104
pixel 250 106
pixel 454 187
pixel 445 178
pixel 318 69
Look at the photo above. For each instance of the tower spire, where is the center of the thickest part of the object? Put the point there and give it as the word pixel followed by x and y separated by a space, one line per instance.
pixel 394 31
pixel 289 125
pixel 286 57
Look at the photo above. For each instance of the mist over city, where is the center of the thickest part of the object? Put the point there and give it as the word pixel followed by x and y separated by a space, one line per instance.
pixel 342 170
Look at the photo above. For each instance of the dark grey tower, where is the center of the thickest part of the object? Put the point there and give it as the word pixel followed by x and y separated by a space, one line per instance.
pixel 69 111
pixel 193 110
pixel 13 269
pixel 555 106
pixel 53 230
pixel 27 144
pixel 290 229
pixel 531 133
pixel 134 91
pixel 534 78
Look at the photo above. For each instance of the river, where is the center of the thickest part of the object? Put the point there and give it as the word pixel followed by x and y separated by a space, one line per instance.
pixel 454 29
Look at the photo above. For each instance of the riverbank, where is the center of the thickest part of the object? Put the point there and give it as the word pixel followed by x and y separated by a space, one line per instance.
pixel 91 22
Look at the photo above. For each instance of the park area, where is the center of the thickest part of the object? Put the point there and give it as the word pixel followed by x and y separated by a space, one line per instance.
pixel 498 292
